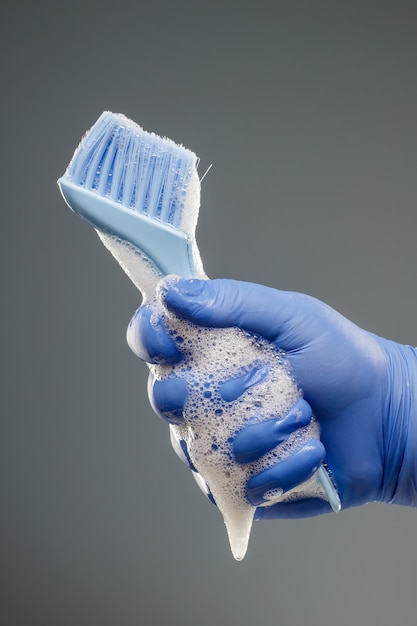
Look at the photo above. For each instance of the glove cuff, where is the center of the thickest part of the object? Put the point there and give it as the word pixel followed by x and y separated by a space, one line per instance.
pixel 399 484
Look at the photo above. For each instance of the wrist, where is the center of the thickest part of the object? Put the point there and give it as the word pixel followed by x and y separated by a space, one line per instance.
pixel 399 484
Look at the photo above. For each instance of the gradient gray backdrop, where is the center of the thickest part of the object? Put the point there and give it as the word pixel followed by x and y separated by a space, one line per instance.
pixel 308 112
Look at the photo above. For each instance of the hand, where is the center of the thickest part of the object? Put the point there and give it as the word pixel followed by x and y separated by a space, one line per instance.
pixel 154 343
pixel 361 387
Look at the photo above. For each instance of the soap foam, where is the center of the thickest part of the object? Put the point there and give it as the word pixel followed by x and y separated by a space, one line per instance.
pixel 139 268
pixel 211 356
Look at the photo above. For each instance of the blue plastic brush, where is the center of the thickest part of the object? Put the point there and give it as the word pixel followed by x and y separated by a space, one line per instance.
pixel 141 193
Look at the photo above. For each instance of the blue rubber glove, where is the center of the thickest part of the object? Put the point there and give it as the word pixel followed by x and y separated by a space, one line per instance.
pixel 153 343
pixel 362 389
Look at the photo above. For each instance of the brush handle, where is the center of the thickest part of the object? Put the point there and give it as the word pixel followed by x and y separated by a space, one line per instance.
pixel 171 250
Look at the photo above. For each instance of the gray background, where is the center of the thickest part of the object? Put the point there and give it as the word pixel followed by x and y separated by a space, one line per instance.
pixel 307 111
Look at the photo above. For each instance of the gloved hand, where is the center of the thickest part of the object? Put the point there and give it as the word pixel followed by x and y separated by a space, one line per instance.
pixel 362 389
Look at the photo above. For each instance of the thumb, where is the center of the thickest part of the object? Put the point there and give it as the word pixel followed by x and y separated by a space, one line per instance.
pixel 279 316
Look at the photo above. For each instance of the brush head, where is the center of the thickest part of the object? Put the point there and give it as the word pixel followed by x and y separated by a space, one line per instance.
pixel 142 194
pixel 143 172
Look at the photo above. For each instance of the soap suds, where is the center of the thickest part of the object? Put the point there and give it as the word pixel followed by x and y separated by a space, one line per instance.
pixel 211 357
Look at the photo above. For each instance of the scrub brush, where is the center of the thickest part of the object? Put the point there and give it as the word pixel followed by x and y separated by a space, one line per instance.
pixel 141 193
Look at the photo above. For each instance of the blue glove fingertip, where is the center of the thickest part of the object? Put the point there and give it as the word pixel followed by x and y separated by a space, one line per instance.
pixel 286 474
pixel 148 338
pixel 184 288
pixel 257 439
pixel 168 397
pixel 190 299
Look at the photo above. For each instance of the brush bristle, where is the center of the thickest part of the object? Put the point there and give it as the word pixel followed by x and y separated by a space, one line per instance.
pixel 117 159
